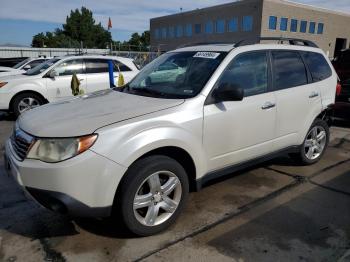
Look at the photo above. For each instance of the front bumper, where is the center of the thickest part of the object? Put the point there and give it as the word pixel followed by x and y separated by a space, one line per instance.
pixel 82 186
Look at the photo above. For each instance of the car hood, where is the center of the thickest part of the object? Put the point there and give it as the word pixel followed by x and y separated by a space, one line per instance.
pixel 85 114
pixel 14 76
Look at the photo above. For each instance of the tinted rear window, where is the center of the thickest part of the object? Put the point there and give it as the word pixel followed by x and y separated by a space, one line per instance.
pixel 317 65
pixel 289 69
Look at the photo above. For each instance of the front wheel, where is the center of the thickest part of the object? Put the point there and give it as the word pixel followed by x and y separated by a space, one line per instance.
pixel 26 101
pixel 153 194
pixel 315 143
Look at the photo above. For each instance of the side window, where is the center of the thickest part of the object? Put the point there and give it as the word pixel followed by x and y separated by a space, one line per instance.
pixel 122 67
pixel 249 71
pixel 317 65
pixel 36 62
pixel 95 66
pixel 69 67
pixel 289 69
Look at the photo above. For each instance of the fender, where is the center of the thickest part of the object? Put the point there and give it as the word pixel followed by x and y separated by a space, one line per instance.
pixel 14 90
pixel 128 149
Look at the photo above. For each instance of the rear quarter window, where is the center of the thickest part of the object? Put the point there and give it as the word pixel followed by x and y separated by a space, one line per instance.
pixel 318 66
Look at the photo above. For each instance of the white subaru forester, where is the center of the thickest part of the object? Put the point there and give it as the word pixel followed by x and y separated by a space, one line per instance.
pixel 137 151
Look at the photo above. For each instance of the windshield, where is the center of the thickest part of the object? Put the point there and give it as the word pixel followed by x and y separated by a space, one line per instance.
pixel 42 67
pixel 21 63
pixel 176 75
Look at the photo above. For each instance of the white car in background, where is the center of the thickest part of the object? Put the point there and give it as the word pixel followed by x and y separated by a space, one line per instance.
pixel 51 81
pixel 22 66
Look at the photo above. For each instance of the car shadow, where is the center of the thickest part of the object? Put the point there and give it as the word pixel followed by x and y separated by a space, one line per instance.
pixel 7 117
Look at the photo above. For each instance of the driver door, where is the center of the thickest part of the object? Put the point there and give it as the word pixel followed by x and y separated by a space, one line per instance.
pixel 59 87
pixel 237 131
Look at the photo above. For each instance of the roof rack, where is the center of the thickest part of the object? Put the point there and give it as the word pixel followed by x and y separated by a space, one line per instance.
pixel 291 41
pixel 204 43
pixel 257 40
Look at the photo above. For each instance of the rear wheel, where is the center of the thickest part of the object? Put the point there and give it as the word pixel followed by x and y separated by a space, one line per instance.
pixel 26 101
pixel 153 194
pixel 314 145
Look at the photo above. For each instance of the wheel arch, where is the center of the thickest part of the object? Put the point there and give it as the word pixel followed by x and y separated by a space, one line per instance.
pixel 25 91
pixel 180 155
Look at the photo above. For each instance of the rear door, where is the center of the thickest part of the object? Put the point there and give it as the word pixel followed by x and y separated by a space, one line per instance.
pixel 298 100
pixel 97 74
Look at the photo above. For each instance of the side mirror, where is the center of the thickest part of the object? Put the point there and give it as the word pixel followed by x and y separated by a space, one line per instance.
pixel 228 92
pixel 27 67
pixel 53 74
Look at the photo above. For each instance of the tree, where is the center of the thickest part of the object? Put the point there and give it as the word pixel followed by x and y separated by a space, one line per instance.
pixel 80 26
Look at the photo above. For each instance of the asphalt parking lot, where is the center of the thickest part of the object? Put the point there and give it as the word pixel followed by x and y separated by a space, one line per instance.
pixel 276 211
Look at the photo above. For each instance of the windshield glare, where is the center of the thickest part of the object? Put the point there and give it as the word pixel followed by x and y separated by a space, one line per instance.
pixel 21 63
pixel 42 67
pixel 176 74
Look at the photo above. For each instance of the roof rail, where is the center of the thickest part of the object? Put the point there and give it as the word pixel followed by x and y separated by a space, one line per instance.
pixel 204 43
pixel 291 41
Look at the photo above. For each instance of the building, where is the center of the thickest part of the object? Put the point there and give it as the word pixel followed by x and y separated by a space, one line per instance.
pixel 229 23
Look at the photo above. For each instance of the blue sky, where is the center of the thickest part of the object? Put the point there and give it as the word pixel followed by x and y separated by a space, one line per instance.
pixel 21 19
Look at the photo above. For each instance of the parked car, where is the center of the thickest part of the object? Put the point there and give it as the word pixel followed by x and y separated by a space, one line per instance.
pixel 342 64
pixel 342 102
pixel 22 66
pixel 50 81
pixel 137 151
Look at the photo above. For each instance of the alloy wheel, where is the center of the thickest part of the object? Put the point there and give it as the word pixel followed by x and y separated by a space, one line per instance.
pixel 27 103
pixel 315 142
pixel 157 198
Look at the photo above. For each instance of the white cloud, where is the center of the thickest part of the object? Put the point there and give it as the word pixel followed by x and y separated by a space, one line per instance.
pixel 131 15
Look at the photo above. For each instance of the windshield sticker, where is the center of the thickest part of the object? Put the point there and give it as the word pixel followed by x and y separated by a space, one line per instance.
pixel 209 55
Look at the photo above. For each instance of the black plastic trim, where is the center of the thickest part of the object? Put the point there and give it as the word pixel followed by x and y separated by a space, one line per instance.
pixel 237 167
pixel 65 204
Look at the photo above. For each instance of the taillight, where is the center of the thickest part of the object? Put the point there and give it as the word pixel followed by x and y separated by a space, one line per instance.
pixel 338 90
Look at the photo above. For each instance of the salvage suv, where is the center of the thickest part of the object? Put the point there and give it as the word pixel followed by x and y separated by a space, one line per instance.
pixel 137 151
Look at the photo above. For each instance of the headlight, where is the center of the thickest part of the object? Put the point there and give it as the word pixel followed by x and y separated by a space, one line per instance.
pixel 60 149
pixel 2 84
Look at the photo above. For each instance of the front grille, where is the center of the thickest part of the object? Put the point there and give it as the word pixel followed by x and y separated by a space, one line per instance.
pixel 21 143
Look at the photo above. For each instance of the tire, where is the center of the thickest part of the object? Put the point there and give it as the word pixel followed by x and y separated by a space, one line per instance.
pixel 141 180
pixel 311 151
pixel 32 100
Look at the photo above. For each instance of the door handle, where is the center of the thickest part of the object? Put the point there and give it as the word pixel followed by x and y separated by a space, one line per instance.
pixel 81 80
pixel 268 105
pixel 313 94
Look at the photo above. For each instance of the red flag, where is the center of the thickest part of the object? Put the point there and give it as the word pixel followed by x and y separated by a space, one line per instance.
pixel 109 23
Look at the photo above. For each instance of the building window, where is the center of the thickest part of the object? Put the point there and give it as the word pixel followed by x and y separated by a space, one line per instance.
pixel 303 26
pixel 198 28
pixel 163 32
pixel 247 23
pixel 179 31
pixel 284 24
pixel 156 33
pixel 171 32
pixel 293 25
pixel 188 31
pixel 320 28
pixel 273 23
pixel 209 27
pixel 220 26
pixel 233 25
pixel 312 27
